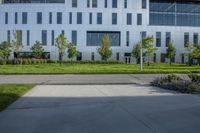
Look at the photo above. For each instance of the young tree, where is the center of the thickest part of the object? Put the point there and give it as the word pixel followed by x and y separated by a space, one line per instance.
pixel 105 51
pixel 17 42
pixel 37 50
pixel 196 53
pixel 171 52
pixel 136 51
pixel 189 53
pixel 72 51
pixel 62 44
pixel 5 49
pixel 149 48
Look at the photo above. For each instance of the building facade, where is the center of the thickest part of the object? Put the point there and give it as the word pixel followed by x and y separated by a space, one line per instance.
pixel 84 22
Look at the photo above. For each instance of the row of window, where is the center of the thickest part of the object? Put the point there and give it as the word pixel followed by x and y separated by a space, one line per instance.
pixel 33 1
pixel 94 38
pixel 79 16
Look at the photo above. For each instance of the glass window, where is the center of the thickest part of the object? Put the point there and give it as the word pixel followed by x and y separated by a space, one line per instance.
pixel 114 3
pixel 129 19
pixel 94 3
pixel 79 18
pixel 195 39
pixel 144 34
pixel 117 56
pixel 94 38
pixel 16 18
pixel 52 38
pixel 92 56
pixel 106 3
pixel 63 32
pixel 127 38
pixel 99 18
pixel 125 3
pixel 139 19
pixel 74 37
pixel 168 38
pixel 44 37
pixel 163 57
pixel 6 18
pixel 88 3
pixel 70 18
pixel 24 17
pixel 50 18
pixel 144 4
pixel 114 18
pixel 158 39
pixel 186 39
pixel 8 36
pixel 74 3
pixel 59 17
pixel 28 37
pixel 90 18
pixel 39 18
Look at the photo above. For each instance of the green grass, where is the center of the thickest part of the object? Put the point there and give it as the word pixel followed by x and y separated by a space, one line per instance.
pixel 76 68
pixel 10 93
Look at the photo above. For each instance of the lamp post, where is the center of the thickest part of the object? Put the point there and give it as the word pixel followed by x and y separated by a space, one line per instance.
pixel 141 54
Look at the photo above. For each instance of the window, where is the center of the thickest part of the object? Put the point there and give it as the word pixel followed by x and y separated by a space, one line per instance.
pixel 24 17
pixel 8 36
pixel 139 19
pixel 117 56
pixel 50 18
pixel 195 39
pixel 52 38
pixel 144 4
pixel 70 18
pixel 88 3
pixel 19 35
pixel 144 34
pixel 39 18
pixel 74 37
pixel 168 38
pixel 125 3
pixel 106 3
pixel 94 38
pixel 158 39
pixel 163 56
pixel 44 37
pixel 28 37
pixel 114 3
pixel 16 18
pixel 92 56
pixel 79 56
pixel 114 18
pixel 79 18
pixel 63 32
pixel 74 3
pixel 127 38
pixel 90 18
pixel 154 57
pixel 129 19
pixel 94 3
pixel 6 18
pixel 186 39
pixel 59 17
pixel 99 18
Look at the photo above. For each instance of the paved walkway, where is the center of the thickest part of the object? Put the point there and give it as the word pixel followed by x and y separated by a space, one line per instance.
pixel 79 79
pixel 102 109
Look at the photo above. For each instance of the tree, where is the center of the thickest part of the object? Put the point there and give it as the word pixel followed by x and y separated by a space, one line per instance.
pixel 105 51
pixel 17 42
pixel 72 51
pixel 170 52
pixel 37 50
pixel 189 53
pixel 149 48
pixel 62 44
pixel 196 53
pixel 5 49
pixel 136 51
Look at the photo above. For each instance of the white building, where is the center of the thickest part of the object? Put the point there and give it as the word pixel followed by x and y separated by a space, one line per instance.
pixel 85 21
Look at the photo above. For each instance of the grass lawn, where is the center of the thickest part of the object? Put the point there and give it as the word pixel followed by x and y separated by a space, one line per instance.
pixel 96 69
pixel 10 93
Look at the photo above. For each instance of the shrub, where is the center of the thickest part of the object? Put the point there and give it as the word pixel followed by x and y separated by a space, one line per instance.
pixel 195 78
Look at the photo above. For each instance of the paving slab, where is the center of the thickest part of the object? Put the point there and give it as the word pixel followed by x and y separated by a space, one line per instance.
pixel 102 109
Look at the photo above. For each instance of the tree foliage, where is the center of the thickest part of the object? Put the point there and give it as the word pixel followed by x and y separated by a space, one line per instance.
pixel 170 52
pixel 17 42
pixel 189 53
pixel 72 51
pixel 105 51
pixel 62 44
pixel 5 49
pixel 37 50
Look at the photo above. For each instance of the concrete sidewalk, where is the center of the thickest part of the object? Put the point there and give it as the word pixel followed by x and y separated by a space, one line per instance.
pixel 142 79
pixel 102 109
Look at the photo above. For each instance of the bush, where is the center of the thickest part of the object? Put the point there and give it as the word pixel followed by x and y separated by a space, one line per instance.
pixel 3 62
pixel 195 78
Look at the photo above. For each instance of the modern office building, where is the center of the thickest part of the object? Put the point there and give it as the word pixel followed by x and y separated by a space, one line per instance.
pixel 84 22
